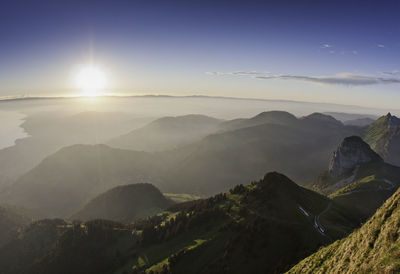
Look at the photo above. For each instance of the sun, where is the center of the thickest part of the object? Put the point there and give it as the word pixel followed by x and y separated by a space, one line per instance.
pixel 91 80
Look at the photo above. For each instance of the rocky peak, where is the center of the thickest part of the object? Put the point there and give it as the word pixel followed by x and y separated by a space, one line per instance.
pixel 393 121
pixel 353 151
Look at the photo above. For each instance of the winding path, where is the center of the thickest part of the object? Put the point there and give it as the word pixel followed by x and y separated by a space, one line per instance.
pixel 317 223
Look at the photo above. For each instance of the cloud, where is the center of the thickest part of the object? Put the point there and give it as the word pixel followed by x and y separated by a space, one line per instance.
pixel 381 46
pixel 342 79
pixel 345 79
pixel 246 73
pixel 391 73
pixel 325 46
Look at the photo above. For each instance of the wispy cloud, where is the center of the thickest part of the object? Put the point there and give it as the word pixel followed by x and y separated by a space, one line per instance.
pixel 325 46
pixel 245 73
pixel 391 73
pixel 345 79
pixel 341 79
pixel 381 46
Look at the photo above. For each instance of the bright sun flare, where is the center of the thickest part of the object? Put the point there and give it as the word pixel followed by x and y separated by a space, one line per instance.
pixel 91 80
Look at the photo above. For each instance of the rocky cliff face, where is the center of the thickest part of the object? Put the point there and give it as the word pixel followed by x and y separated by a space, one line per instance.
pixel 353 151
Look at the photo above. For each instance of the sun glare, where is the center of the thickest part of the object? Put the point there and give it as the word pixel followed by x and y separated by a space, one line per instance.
pixel 91 80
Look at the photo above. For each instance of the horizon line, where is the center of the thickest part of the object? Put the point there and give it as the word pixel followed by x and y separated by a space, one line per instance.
pixel 24 97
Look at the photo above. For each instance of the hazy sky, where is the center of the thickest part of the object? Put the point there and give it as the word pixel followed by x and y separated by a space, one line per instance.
pixel 325 51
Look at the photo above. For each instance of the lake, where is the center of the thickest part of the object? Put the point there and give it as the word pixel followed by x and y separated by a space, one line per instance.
pixel 10 129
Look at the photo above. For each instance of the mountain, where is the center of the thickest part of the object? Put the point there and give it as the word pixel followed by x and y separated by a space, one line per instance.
pixel 349 117
pixel 361 122
pixel 49 131
pixel 353 151
pixel 323 119
pixel 384 137
pixel 358 178
pixel 221 160
pixel 264 227
pixel 374 248
pixel 268 117
pixel 124 204
pixel 167 133
pixel 63 182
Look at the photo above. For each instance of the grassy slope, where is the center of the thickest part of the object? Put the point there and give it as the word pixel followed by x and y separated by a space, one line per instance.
pixel 374 248
pixel 376 132
pixel 257 228
pixel 181 197
pixel 261 231
pixel 369 189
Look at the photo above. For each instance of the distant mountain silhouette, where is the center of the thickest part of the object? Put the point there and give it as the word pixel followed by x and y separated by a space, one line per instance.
pixel 297 147
pixel 66 180
pixel 167 133
pixel 269 117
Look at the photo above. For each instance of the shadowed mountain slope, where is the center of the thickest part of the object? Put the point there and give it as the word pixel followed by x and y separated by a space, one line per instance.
pixel 66 180
pixel 124 204
pixel 11 218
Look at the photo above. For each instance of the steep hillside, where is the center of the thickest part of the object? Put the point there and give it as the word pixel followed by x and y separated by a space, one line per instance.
pixel 384 137
pixel 358 179
pixel 167 133
pixel 263 227
pixel 374 248
pixel 124 204
pixel 66 180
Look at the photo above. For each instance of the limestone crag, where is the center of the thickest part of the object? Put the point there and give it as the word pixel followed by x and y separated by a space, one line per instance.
pixel 352 152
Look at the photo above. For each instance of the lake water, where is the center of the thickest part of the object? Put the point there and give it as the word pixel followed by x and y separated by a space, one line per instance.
pixel 10 129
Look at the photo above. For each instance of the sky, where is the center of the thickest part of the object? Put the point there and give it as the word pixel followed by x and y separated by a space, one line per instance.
pixel 344 52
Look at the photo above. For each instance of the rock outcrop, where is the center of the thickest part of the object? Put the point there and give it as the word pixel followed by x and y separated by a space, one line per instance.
pixel 353 151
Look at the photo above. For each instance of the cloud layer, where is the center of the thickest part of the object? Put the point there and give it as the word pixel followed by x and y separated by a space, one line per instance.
pixel 341 79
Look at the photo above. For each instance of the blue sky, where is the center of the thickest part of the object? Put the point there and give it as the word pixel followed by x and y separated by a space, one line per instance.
pixel 329 51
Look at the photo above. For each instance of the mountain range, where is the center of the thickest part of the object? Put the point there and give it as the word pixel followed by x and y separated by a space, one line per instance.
pixel 298 147
pixel 116 219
